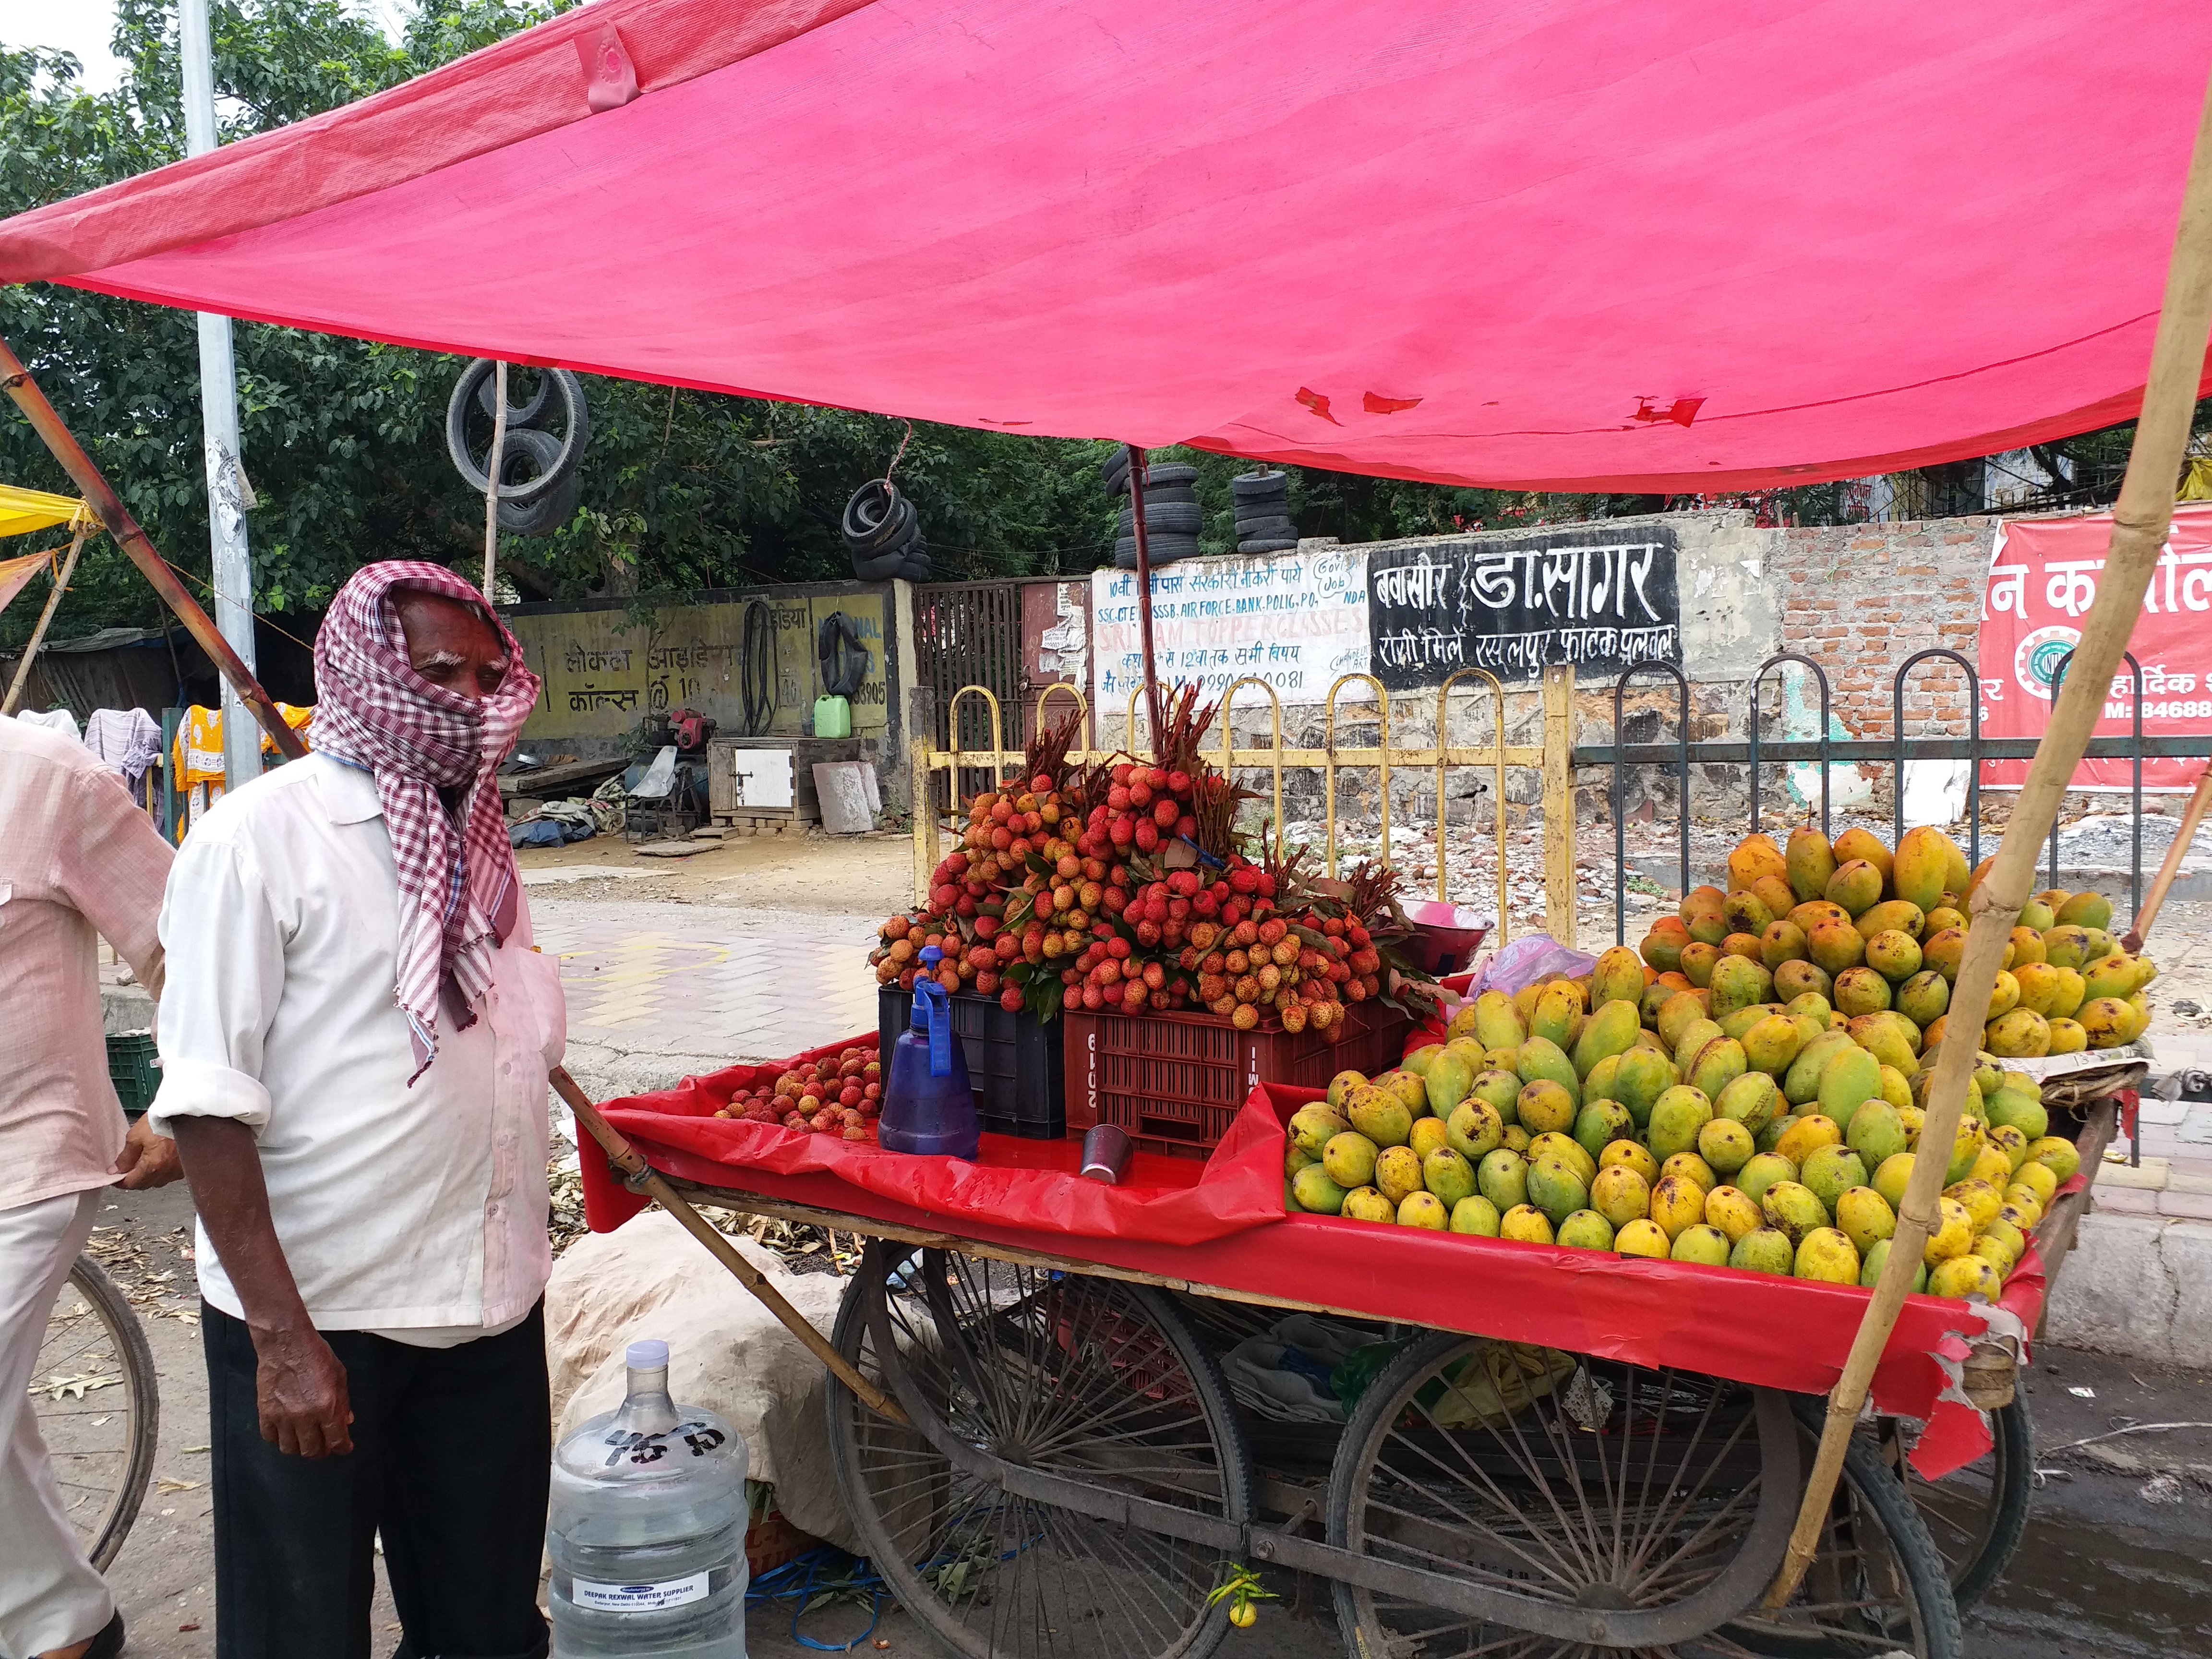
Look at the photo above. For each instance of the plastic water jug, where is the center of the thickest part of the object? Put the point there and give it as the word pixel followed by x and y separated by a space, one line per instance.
pixel 833 717
pixel 929 1105
pixel 647 1535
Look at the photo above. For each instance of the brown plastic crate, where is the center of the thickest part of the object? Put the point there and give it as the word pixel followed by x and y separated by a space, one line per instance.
pixel 1174 1082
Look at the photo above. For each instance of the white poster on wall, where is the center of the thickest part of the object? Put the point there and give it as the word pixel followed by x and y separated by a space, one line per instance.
pixel 1297 620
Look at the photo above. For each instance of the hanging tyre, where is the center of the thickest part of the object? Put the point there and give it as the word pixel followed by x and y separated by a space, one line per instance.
pixel 881 568
pixel 531 411
pixel 533 463
pixel 1114 471
pixel 877 520
pixel 569 447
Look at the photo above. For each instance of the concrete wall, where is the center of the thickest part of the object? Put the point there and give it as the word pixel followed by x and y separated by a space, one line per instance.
pixel 605 668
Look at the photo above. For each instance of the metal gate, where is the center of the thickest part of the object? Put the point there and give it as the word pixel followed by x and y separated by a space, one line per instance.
pixel 971 634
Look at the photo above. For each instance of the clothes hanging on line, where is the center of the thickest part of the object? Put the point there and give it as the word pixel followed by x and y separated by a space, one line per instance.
pixel 54 720
pixel 198 754
pixel 128 739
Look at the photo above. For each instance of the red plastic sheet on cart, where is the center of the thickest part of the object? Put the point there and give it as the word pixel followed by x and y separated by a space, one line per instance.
pixel 1776 1333
pixel 1025 1183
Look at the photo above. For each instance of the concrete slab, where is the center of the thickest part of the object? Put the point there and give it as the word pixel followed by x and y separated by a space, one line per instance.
pixel 2138 1285
pixel 2151 1173
pixel 2113 1292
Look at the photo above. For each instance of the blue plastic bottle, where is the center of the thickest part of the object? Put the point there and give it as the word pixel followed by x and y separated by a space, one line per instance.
pixel 928 1104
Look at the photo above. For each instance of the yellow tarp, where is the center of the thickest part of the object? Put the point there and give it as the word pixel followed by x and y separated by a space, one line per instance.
pixel 2197 481
pixel 22 510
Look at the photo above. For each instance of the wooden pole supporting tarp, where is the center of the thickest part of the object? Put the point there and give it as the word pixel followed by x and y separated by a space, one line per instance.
pixel 100 496
pixel 2140 521
pixel 494 467
pixel 46 618
pixel 2191 817
pixel 647 1180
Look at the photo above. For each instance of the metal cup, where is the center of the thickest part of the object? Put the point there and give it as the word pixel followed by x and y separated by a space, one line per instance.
pixel 1106 1152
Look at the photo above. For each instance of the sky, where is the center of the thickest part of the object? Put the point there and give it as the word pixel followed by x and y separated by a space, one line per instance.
pixel 83 26
pixel 80 26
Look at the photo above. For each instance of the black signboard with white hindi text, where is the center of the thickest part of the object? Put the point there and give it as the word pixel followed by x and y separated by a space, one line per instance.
pixel 1603 600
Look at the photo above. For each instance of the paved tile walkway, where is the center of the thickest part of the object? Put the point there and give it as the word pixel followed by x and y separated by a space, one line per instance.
pixel 659 990
pixel 2174 1179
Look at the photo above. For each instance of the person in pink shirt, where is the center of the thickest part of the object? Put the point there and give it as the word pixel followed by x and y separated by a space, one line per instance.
pixel 78 859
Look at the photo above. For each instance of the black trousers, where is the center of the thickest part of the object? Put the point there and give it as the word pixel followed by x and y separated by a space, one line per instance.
pixel 451 1462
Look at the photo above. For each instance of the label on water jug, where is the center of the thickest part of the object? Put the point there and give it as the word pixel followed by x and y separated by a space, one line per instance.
pixel 639 1598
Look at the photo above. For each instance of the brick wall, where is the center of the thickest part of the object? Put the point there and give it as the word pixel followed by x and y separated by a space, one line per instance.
pixel 1860 599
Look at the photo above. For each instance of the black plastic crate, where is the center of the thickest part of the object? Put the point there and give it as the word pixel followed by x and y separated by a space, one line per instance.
pixel 1018 1067
pixel 135 1068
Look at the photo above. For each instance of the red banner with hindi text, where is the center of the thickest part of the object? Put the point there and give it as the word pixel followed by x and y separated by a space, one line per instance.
pixel 2043 578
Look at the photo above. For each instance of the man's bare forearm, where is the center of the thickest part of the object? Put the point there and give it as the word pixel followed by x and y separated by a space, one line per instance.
pixel 223 1166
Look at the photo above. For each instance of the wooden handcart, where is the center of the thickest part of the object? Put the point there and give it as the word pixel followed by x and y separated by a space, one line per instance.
pixel 1074 1472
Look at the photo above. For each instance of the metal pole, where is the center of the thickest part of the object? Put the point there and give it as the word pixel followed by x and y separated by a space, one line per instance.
pixel 1144 594
pixel 233 565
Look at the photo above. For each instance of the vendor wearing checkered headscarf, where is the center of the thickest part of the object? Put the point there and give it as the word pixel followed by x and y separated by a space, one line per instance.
pixel 355 1036
pixel 458 891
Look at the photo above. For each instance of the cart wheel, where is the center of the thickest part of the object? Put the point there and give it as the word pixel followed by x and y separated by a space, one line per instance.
pixel 1976 1516
pixel 1878 1582
pixel 1659 1502
pixel 1085 1378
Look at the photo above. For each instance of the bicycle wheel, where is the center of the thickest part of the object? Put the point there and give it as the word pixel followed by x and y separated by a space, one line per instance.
pixel 97 1407
pixel 1976 1516
pixel 1543 1493
pixel 1087 1379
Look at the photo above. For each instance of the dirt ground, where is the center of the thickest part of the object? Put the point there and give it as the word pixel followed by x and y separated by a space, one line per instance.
pixel 827 875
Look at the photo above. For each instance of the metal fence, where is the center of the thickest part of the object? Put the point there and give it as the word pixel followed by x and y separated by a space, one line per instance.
pixel 936 769
pixel 1756 749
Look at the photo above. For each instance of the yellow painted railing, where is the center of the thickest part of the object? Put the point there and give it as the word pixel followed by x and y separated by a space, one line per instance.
pixel 1552 759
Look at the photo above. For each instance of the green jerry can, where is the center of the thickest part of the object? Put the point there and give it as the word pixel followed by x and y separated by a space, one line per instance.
pixel 833 717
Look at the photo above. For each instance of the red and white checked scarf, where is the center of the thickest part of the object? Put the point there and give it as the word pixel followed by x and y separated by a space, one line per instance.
pixel 459 896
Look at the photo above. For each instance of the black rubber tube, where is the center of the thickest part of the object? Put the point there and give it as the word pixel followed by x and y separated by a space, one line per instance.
pixel 757 668
pixel 844 660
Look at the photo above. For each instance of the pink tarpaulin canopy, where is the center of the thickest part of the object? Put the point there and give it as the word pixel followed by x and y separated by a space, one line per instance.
pixel 1679 245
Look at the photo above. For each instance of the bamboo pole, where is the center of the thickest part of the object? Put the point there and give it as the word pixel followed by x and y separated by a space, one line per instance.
pixel 2191 817
pixel 493 468
pixel 134 541
pixel 625 1157
pixel 45 617
pixel 2140 521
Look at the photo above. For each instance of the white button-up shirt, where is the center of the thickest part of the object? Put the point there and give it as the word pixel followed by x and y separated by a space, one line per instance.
pixel 416 1211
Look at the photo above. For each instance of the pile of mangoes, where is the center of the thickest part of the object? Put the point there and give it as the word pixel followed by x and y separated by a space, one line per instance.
pixel 1869 931
pixel 1665 1107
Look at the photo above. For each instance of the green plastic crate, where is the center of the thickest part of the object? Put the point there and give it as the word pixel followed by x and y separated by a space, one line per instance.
pixel 135 1068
